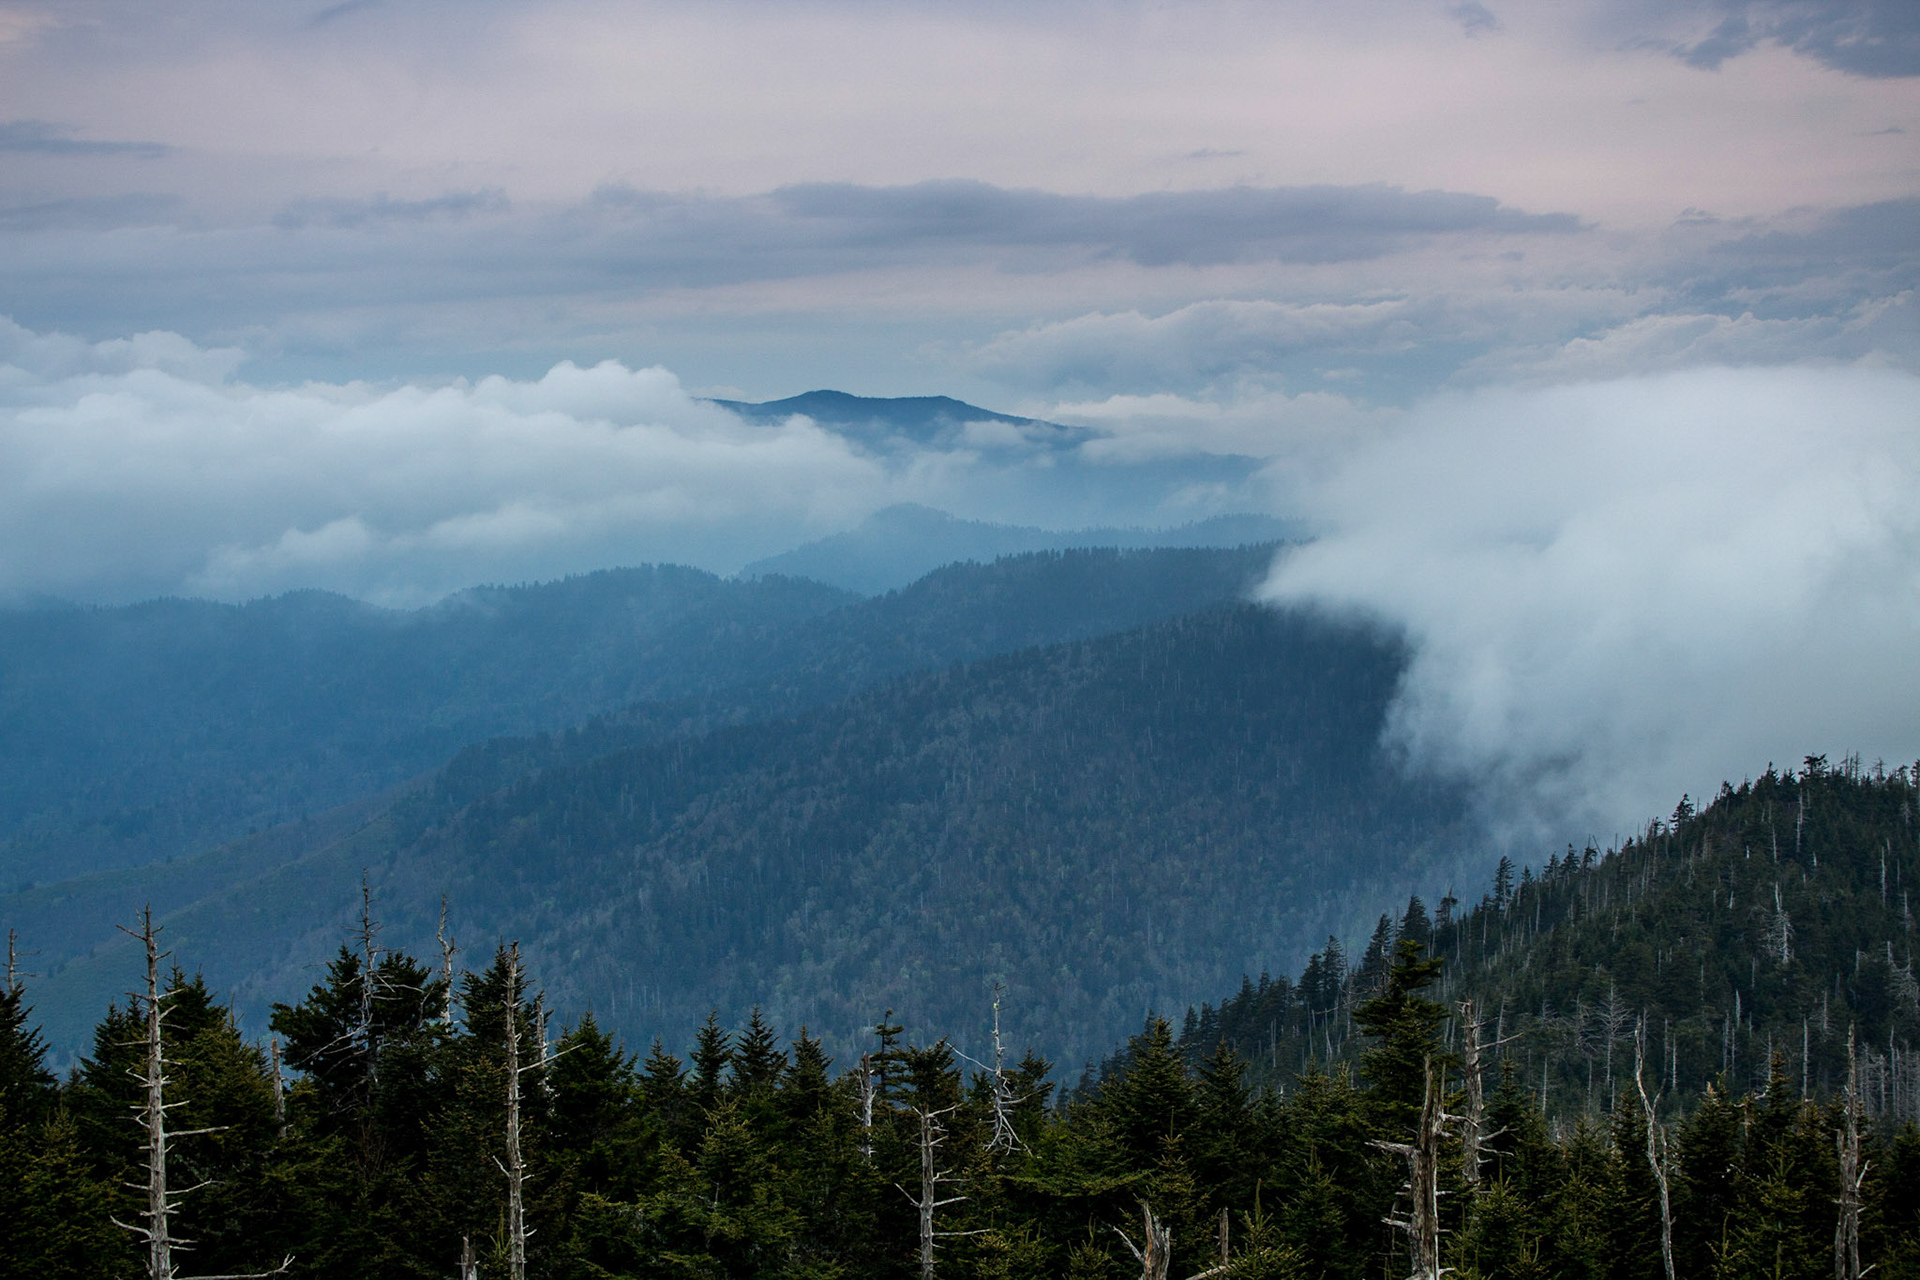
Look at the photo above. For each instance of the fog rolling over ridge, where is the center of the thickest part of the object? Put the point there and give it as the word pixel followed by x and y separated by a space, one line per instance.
pixel 1616 591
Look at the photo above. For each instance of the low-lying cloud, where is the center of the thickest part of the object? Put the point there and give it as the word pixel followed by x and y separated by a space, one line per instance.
pixel 144 466
pixel 137 467
pixel 1619 591
pixel 1191 345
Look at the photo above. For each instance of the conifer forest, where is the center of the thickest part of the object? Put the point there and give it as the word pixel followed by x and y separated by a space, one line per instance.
pixel 1689 1056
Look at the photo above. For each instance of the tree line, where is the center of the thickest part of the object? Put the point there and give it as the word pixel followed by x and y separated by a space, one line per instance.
pixel 1533 1086
pixel 409 1119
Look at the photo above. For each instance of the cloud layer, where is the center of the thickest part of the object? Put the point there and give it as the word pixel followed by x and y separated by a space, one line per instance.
pixel 137 467
pixel 141 466
pixel 1619 590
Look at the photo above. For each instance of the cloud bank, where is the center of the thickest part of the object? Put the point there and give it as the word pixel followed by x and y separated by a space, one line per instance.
pixel 136 467
pixel 1619 590
pixel 143 466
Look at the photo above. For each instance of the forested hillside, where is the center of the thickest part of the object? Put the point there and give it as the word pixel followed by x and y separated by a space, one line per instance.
pixel 1776 919
pixel 128 735
pixel 408 1119
pixel 134 734
pixel 741 674
pixel 1106 826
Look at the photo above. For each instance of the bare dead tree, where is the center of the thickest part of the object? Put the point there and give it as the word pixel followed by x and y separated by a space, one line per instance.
pixel 1780 932
pixel 447 950
pixel 1422 1223
pixel 1473 1134
pixel 162 1201
pixel 1155 1256
pixel 1658 1157
pixel 932 1135
pixel 13 963
pixel 1853 1172
pixel 1005 1136
pixel 279 1086
pixel 369 964
pixel 516 1166
pixel 1003 1100
pixel 469 1264
pixel 869 1091
pixel 1615 1019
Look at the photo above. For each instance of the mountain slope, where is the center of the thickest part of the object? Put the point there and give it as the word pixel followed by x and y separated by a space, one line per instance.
pixel 730 675
pixel 899 544
pixel 131 735
pixel 1777 918
pixel 889 422
pixel 128 735
pixel 1107 826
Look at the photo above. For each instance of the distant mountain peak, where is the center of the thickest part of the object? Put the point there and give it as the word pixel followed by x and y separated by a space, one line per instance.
pixel 921 420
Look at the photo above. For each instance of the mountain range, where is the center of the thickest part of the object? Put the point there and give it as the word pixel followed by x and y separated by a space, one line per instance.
pixel 798 703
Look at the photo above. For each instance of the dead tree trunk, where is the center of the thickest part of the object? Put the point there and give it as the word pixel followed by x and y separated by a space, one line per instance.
pixel 869 1090
pixel 1473 1133
pixel 162 1201
pixel 932 1134
pixel 516 1168
pixel 1422 1223
pixel 13 963
pixel 159 1210
pixel 1005 1136
pixel 279 1088
pixel 447 950
pixel 1853 1172
pixel 515 1165
pixel 369 974
pixel 1156 1255
pixel 1657 1157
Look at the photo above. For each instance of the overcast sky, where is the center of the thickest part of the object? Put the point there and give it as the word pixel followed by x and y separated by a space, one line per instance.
pixel 395 296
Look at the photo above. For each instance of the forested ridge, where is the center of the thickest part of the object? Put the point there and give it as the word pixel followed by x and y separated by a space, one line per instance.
pixel 379 1131
pixel 135 733
pixel 1108 826
pixel 261 905
pixel 1777 918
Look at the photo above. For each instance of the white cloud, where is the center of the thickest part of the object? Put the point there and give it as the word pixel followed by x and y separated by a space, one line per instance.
pixel 135 467
pixel 1879 328
pixel 1191 345
pixel 1300 433
pixel 141 466
pixel 1618 591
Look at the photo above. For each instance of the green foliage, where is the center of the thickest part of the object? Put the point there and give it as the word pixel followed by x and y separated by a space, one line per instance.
pixel 761 1162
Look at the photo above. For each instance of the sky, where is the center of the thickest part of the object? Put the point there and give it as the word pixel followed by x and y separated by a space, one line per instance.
pixel 393 297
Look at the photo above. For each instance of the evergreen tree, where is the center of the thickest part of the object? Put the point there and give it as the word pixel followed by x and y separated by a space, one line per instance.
pixel 27 1090
pixel 1405 1027
pixel 1150 1101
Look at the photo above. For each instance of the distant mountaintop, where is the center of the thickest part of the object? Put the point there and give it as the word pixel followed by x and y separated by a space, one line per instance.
pixel 891 421
pixel 903 543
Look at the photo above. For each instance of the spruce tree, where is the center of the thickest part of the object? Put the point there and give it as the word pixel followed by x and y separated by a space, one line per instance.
pixel 1404 1026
